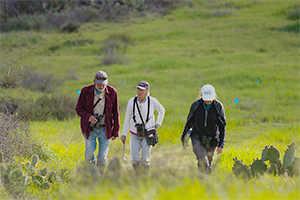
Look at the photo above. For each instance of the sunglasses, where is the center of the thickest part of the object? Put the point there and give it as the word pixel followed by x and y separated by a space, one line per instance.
pixel 100 78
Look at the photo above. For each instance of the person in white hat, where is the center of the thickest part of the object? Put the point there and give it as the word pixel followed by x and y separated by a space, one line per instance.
pixel 99 111
pixel 207 122
pixel 140 119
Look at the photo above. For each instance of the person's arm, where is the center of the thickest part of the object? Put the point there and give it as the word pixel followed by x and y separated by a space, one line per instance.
pixel 126 123
pixel 222 127
pixel 116 116
pixel 189 122
pixel 161 112
pixel 80 107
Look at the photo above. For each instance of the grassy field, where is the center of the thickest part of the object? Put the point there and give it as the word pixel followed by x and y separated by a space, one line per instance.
pixel 249 50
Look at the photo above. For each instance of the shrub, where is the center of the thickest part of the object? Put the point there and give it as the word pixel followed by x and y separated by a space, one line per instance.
pixel 15 138
pixel 49 106
pixel 71 43
pixel 110 58
pixel 11 75
pixel 24 22
pixel 8 106
pixel 70 27
pixel 114 46
pixel 38 82
pixel 295 14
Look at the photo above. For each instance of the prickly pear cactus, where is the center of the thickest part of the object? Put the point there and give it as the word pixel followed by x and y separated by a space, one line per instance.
pixel 258 167
pixel 294 168
pixel 289 155
pixel 43 172
pixel 16 174
pixel 289 167
pixel 273 154
pixel 34 160
pixel 264 153
pixel 279 164
pixel 52 177
pixel 45 186
pixel 38 178
pixel 273 169
pixel 239 169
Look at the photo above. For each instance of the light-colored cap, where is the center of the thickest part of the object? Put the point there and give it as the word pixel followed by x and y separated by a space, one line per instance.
pixel 101 78
pixel 208 92
pixel 143 85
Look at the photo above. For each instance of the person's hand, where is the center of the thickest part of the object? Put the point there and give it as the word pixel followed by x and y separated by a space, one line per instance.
pixel 113 137
pixel 219 150
pixel 123 138
pixel 93 119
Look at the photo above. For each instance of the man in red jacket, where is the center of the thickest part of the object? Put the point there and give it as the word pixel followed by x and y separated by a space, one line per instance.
pixel 99 111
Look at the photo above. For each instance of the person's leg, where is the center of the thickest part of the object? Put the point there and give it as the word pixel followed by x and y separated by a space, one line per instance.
pixel 201 155
pixel 103 147
pixel 210 155
pixel 90 147
pixel 145 160
pixel 135 148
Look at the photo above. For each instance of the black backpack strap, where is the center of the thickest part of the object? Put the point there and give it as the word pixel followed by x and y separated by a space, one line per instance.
pixel 218 112
pixel 133 109
pixel 147 119
pixel 135 102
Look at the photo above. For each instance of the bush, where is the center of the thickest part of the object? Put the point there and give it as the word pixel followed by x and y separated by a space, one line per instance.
pixel 24 22
pixel 294 15
pixel 49 106
pixel 67 16
pixel 8 106
pixel 113 47
pixel 15 137
pixel 70 27
pixel 38 82
pixel 11 76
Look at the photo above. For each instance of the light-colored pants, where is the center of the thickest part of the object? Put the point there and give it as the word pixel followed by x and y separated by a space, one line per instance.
pixel 91 144
pixel 136 145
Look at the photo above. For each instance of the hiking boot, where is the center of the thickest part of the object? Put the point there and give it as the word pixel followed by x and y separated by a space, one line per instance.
pixel 100 168
pixel 137 167
pixel 202 166
pixel 146 169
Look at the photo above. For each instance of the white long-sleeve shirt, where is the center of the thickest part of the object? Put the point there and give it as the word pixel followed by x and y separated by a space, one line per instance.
pixel 143 106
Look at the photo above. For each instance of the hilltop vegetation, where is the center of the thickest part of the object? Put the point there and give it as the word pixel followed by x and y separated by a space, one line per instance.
pixel 249 51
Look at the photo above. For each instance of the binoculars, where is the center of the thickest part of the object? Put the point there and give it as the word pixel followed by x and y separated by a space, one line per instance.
pixel 98 117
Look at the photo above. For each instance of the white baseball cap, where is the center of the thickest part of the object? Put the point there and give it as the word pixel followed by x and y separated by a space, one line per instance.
pixel 208 92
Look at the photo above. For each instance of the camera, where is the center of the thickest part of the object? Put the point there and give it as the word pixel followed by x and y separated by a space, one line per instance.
pixel 98 117
pixel 140 130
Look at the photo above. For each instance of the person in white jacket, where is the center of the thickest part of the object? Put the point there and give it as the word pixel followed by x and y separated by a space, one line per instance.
pixel 140 115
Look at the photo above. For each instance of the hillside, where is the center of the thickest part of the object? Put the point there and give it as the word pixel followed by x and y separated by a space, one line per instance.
pixel 248 50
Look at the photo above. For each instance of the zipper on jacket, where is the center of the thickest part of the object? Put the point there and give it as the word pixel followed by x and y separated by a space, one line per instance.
pixel 205 122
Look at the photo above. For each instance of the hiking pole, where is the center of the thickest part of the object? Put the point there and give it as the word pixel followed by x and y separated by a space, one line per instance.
pixel 124 152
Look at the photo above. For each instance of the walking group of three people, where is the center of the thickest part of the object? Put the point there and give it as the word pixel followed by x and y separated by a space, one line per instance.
pixel 98 109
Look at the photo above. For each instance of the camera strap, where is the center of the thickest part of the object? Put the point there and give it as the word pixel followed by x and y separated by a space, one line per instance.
pixel 135 102
pixel 97 102
pixel 96 105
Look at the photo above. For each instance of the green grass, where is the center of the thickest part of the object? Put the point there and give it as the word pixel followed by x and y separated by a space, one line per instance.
pixel 177 54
